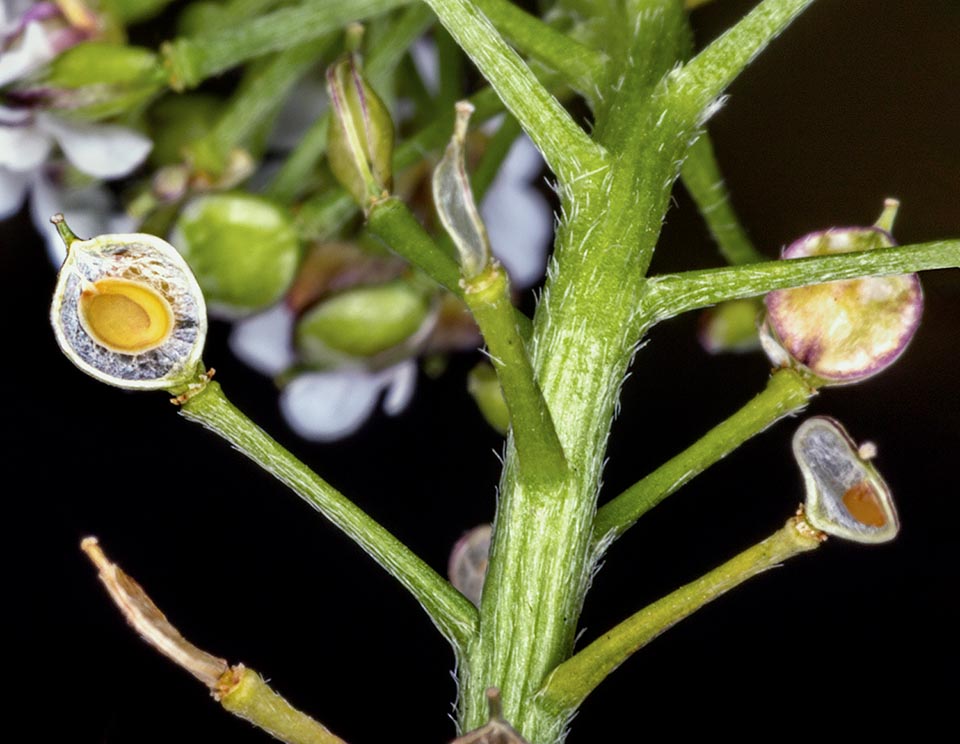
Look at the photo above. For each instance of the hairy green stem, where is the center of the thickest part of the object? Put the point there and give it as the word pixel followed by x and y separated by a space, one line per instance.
pixel 577 677
pixel 673 294
pixel 786 393
pixel 579 65
pixel 450 611
pixel 701 177
pixel 246 695
pixel 697 85
pixel 541 457
pixel 568 150
pixel 192 60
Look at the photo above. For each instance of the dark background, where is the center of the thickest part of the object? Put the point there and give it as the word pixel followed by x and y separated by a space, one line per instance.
pixel 858 101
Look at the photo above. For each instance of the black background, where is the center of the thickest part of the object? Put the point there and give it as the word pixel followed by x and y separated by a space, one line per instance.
pixel 858 101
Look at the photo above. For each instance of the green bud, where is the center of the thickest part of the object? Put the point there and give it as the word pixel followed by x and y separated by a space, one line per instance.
pixel 375 323
pixel 243 249
pixel 360 139
pixel 454 201
pixel 128 311
pixel 95 80
pixel 178 120
pixel 484 387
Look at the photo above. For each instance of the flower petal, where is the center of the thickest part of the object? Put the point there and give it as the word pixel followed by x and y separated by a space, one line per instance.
pixel 100 150
pixel 13 187
pixel 326 406
pixel 263 341
pixel 34 51
pixel 518 218
pixel 23 147
pixel 401 381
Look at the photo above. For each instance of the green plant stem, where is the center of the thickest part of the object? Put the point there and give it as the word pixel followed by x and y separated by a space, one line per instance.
pixel 568 150
pixel 259 97
pixel 585 331
pixel 321 217
pixel 541 457
pixel 696 85
pixel 450 611
pixel 392 221
pixel 786 393
pixel 674 294
pixel 701 177
pixel 577 677
pixel 451 70
pixel 246 695
pixel 192 60
pixel 579 65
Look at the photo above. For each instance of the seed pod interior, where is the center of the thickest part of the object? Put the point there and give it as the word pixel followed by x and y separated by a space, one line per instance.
pixel 846 497
pixel 128 311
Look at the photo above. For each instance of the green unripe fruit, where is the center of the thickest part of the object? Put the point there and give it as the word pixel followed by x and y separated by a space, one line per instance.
pixel 361 323
pixel 243 250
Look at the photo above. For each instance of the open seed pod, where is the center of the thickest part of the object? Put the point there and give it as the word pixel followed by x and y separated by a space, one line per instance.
pixel 846 497
pixel 128 311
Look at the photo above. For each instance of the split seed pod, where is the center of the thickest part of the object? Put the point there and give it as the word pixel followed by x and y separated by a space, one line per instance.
pixel 846 497
pixel 128 311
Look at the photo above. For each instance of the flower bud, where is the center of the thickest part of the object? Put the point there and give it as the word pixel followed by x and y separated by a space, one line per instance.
pixel 94 80
pixel 243 249
pixel 128 311
pixel 377 324
pixel 846 497
pixel 360 139
pixel 454 201
pixel 843 331
pixel 484 388
pixel 467 568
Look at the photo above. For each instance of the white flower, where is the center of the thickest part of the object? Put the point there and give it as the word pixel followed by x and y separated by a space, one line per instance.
pixel 517 216
pixel 320 406
pixel 326 406
pixel 28 137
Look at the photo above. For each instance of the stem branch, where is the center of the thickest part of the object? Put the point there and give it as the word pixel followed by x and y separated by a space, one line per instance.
pixel 450 611
pixel 577 677
pixel 568 150
pixel 672 295
pixel 786 393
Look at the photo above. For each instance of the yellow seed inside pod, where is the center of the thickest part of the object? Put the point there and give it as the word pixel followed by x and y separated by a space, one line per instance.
pixel 125 316
pixel 863 504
